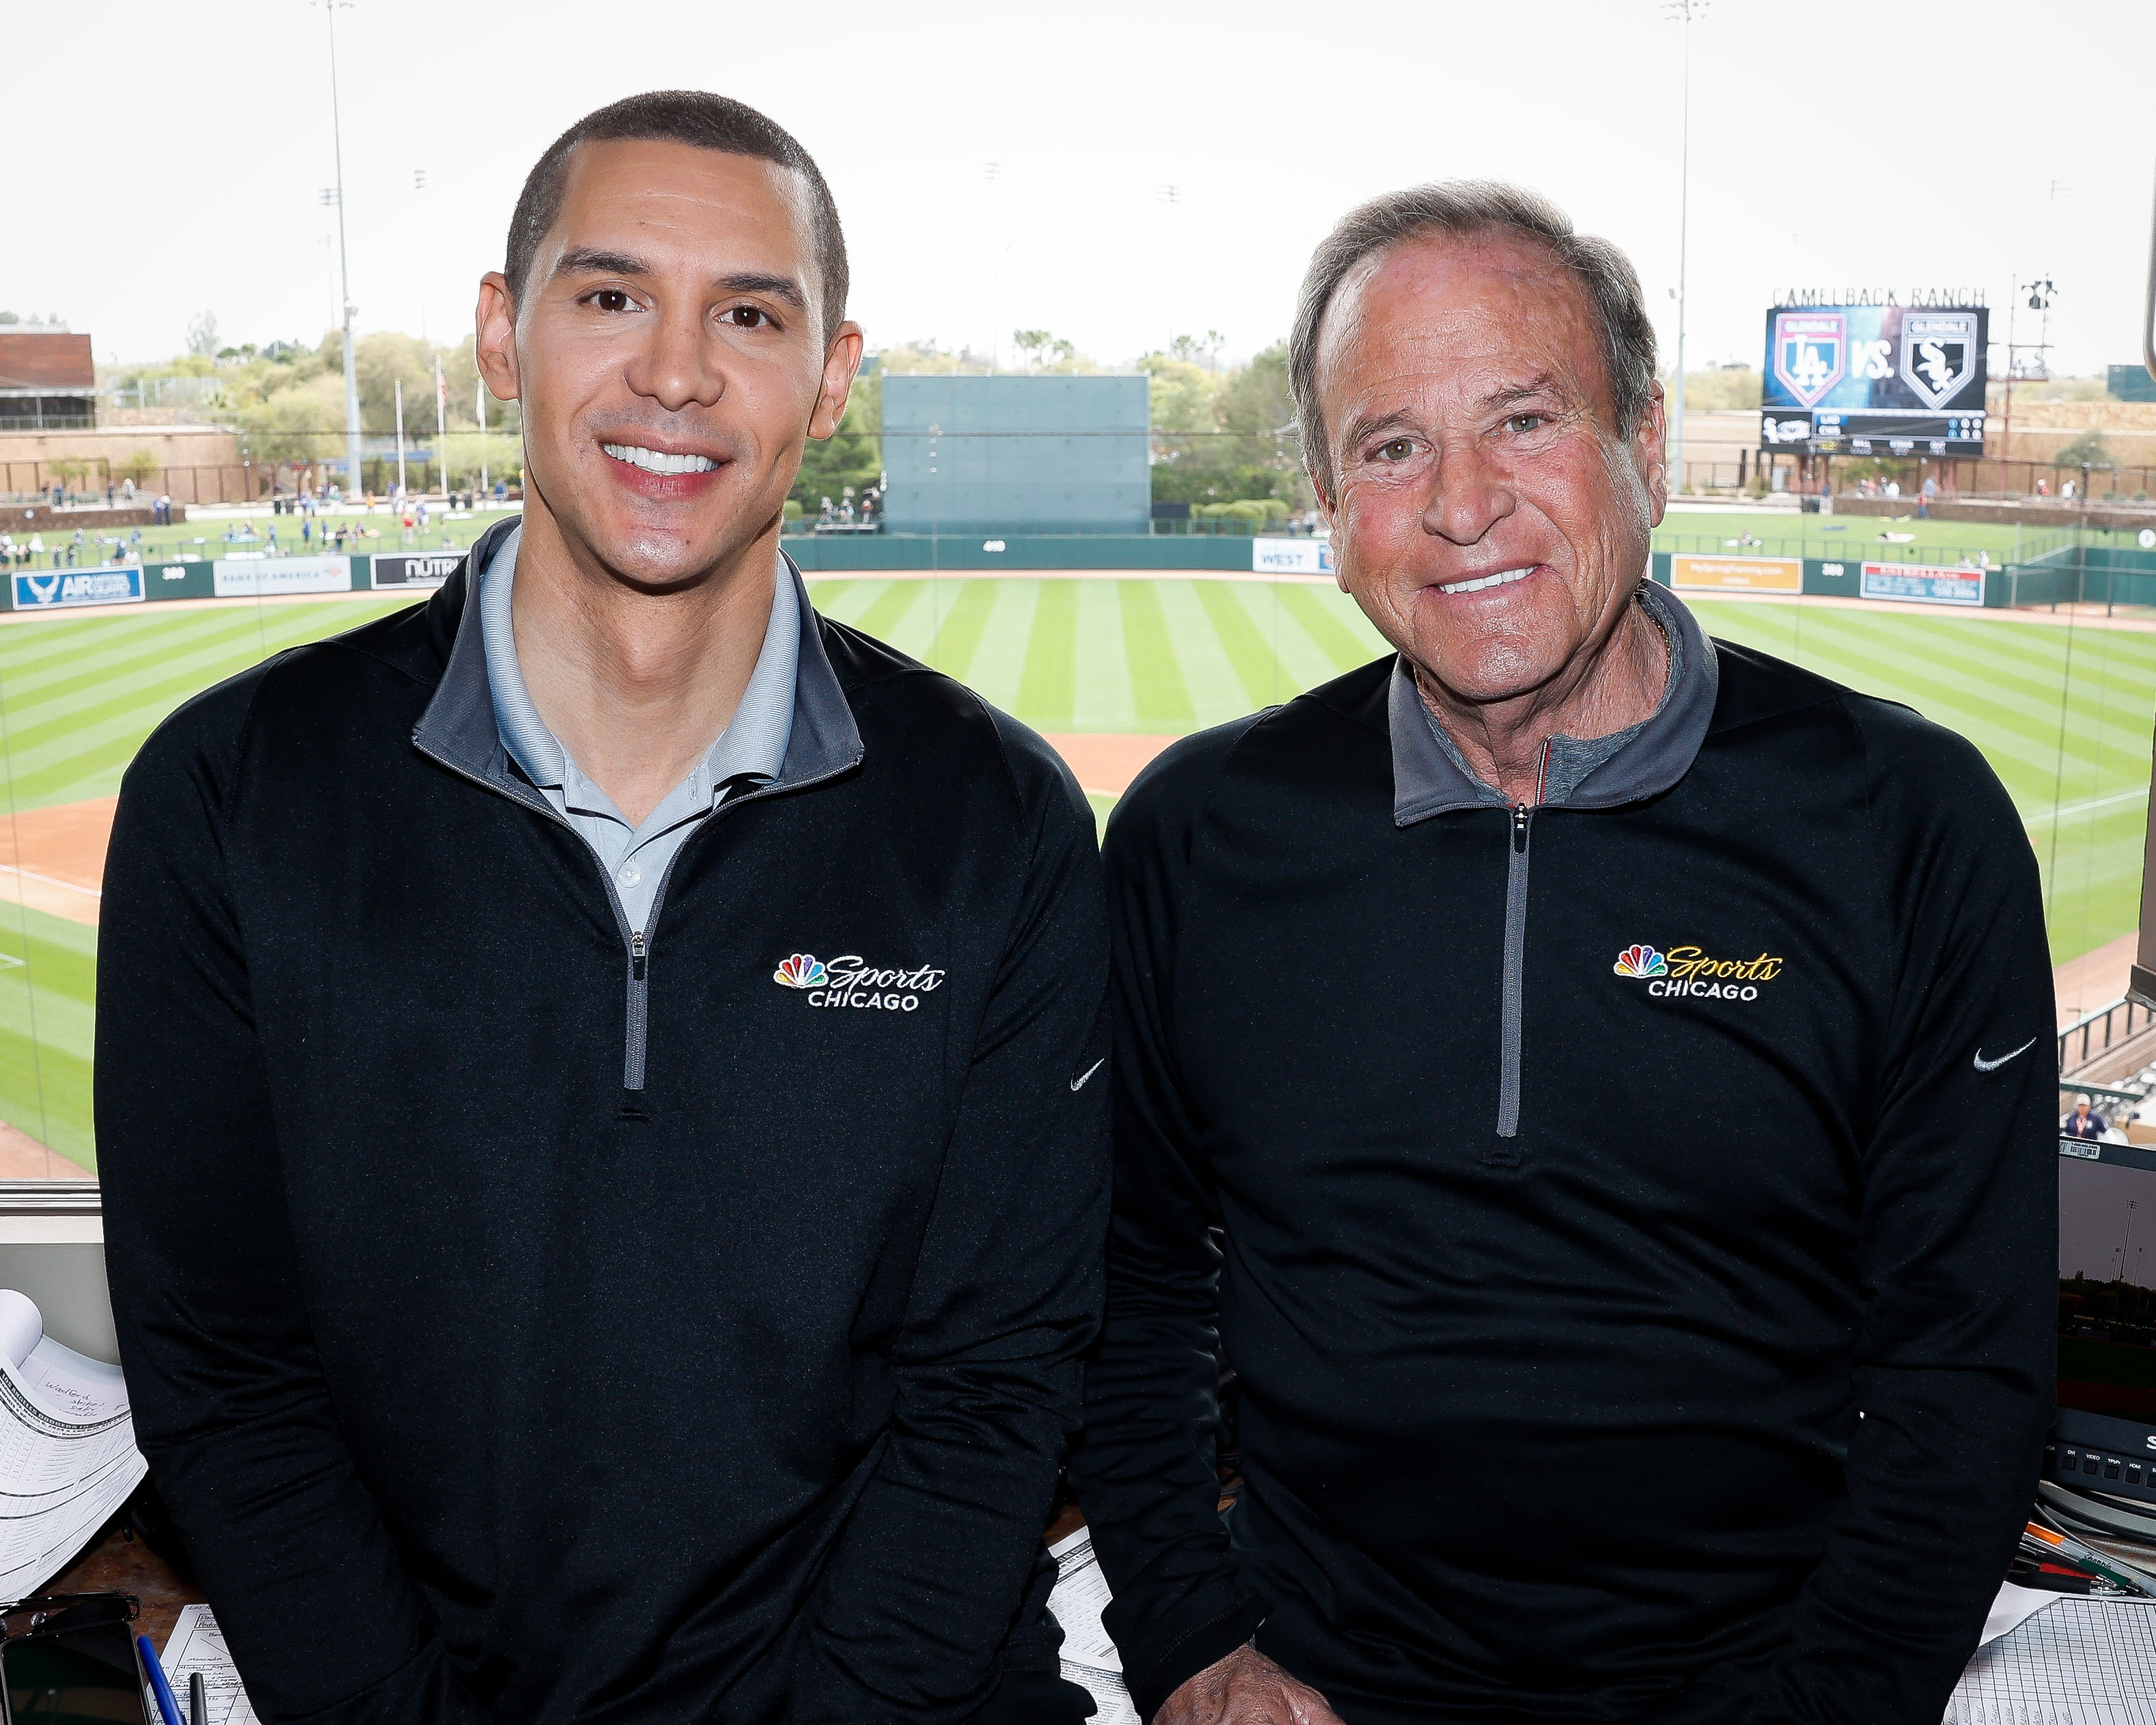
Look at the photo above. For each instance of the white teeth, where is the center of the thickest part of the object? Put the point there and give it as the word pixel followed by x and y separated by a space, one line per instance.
pixel 654 461
pixel 1503 577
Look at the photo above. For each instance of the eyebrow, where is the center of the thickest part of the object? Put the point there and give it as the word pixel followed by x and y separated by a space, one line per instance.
pixel 1543 384
pixel 585 261
pixel 779 287
pixel 1370 424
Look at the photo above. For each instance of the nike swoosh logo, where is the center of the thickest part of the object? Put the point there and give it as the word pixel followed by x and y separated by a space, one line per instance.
pixel 1984 1066
pixel 1079 1082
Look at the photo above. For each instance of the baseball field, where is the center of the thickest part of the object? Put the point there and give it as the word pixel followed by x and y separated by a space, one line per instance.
pixel 1110 669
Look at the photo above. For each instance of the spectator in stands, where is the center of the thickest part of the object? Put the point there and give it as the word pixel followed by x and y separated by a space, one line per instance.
pixel 2084 1122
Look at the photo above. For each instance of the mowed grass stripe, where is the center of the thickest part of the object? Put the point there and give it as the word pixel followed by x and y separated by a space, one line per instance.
pixel 999 659
pixel 1101 693
pixel 959 637
pixel 1047 686
pixel 1247 649
pixel 1159 695
pixel 1346 644
pixel 883 616
pixel 46 1007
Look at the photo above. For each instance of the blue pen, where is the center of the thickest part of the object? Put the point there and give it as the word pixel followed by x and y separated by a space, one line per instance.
pixel 167 1703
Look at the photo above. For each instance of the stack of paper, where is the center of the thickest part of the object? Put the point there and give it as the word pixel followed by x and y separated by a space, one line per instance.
pixel 67 1449
pixel 1090 1659
pixel 2077 1661
pixel 198 1644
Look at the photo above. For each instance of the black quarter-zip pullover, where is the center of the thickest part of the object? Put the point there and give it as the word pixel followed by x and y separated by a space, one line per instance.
pixel 512 1346
pixel 1639 1298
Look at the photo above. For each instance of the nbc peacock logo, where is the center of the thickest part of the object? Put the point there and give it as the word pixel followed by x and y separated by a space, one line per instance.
pixel 803 970
pixel 1640 961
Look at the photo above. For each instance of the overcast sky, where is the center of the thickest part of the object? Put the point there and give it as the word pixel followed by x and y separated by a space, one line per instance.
pixel 173 162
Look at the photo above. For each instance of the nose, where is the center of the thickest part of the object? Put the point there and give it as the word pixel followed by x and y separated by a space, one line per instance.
pixel 676 365
pixel 1469 493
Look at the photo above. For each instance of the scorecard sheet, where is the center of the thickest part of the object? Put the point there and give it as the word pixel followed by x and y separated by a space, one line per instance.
pixel 2079 1661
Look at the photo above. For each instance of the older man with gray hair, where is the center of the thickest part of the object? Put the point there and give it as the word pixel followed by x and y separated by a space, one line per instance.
pixel 1581 1080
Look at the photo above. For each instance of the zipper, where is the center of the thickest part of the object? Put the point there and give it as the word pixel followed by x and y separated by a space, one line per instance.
pixel 1516 952
pixel 1516 858
pixel 638 1019
pixel 636 1029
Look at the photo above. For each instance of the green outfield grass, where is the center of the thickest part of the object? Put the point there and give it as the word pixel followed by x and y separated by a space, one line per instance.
pixel 1789 533
pixel 2063 713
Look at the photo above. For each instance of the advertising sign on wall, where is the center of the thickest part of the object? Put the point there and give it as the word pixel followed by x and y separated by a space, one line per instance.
pixel 114 584
pixel 414 568
pixel 1291 557
pixel 1926 583
pixel 1742 574
pixel 252 577
pixel 1874 379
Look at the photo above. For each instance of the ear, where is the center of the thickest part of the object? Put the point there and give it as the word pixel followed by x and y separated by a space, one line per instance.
pixel 1326 502
pixel 1650 446
pixel 841 361
pixel 493 345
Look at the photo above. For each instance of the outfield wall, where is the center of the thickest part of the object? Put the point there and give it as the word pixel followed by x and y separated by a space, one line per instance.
pixel 2086 574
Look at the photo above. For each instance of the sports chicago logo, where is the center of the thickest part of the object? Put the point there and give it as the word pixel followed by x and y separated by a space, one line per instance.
pixel 852 981
pixel 1690 972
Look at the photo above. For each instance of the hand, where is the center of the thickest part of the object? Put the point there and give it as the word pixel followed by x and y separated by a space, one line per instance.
pixel 1245 1688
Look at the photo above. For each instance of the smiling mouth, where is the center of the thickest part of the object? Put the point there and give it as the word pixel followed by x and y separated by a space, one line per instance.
pixel 658 460
pixel 1503 577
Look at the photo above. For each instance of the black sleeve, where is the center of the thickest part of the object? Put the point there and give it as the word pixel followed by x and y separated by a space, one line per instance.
pixel 1955 1369
pixel 1144 1475
pixel 930 1572
pixel 229 1402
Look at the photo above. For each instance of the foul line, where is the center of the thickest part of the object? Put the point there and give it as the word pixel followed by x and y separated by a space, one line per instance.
pixel 2140 792
pixel 49 880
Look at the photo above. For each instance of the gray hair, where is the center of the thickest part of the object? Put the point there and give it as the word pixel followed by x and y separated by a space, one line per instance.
pixel 1465 206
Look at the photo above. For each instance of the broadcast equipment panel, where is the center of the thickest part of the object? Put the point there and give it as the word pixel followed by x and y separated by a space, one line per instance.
pixel 1874 380
pixel 2104 1438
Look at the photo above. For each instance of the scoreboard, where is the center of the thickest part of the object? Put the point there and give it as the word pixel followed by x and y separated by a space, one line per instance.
pixel 1874 380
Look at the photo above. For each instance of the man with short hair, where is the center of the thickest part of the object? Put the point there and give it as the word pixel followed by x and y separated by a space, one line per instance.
pixel 1585 1079
pixel 2084 1122
pixel 603 1197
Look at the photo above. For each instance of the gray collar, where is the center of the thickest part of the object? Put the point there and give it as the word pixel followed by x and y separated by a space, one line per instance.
pixel 752 746
pixel 1431 777
pixel 459 728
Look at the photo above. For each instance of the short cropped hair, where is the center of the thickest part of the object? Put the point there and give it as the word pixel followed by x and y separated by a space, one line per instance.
pixel 679 116
pixel 1465 208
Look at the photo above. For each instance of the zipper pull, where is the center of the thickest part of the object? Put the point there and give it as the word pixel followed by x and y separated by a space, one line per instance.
pixel 637 952
pixel 1520 813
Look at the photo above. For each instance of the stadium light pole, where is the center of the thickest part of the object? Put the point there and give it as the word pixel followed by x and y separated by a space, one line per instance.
pixel 1684 12
pixel 352 439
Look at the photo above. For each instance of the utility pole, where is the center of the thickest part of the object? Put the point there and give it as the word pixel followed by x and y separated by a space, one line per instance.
pixel 352 437
pixel 441 427
pixel 1683 11
pixel 400 440
pixel 480 390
